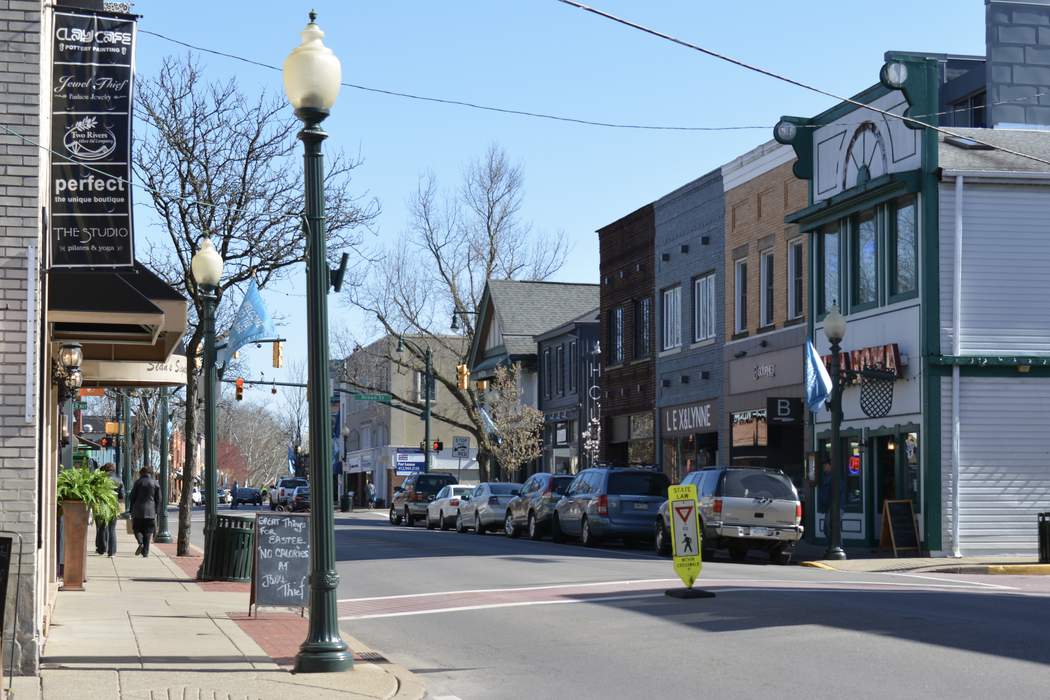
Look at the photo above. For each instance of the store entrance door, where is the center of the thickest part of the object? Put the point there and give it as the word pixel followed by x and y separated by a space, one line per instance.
pixel 886 482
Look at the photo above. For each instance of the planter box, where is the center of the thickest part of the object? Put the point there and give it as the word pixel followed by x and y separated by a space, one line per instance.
pixel 74 534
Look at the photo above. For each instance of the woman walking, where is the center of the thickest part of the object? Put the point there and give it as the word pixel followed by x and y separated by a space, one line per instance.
pixel 145 504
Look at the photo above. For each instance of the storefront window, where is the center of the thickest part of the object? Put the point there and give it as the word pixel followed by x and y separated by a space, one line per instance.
pixel 852 474
pixel 903 274
pixel 912 473
pixel 749 429
pixel 863 257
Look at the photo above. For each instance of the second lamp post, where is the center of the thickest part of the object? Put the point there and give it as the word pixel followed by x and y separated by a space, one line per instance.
pixel 207 271
pixel 835 330
pixel 312 77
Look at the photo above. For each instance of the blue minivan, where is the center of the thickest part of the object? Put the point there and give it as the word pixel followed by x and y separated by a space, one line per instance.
pixel 610 502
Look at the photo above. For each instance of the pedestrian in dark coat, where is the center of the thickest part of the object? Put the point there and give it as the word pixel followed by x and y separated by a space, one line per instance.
pixel 106 533
pixel 145 504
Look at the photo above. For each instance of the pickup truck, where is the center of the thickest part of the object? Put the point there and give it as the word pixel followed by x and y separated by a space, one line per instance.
pixel 281 493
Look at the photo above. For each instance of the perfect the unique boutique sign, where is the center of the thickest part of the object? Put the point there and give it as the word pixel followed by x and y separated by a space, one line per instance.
pixel 92 70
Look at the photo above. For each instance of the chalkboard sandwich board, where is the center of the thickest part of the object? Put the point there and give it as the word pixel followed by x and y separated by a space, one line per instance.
pixel 281 565
pixel 900 531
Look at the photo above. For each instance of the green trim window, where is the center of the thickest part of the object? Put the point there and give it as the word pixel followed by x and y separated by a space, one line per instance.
pixel 830 279
pixel 740 296
pixel 796 288
pixel 864 270
pixel 904 249
pixel 765 273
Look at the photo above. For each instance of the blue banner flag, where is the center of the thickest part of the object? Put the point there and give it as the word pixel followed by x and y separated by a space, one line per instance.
pixel 291 460
pixel 251 323
pixel 818 381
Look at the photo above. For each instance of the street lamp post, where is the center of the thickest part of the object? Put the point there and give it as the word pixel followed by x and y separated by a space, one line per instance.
pixel 125 447
pixel 163 536
pixel 835 330
pixel 312 77
pixel 207 271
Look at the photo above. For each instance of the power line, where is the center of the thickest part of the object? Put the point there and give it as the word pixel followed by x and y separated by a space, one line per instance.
pixel 791 81
pixel 463 103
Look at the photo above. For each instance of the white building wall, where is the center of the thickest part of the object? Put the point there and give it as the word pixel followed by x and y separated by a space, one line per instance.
pixel 1004 456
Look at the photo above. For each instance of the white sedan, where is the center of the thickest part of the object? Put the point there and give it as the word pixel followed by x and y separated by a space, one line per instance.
pixel 442 511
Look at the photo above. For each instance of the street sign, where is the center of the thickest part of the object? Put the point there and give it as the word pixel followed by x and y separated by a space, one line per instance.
pixel 460 446
pixel 409 460
pixel 385 398
pixel 685 532
pixel 80 405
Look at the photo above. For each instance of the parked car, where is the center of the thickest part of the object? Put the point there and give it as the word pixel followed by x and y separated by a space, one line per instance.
pixel 608 502
pixel 223 495
pixel 299 501
pixel 442 511
pixel 245 495
pixel 282 491
pixel 533 508
pixel 411 499
pixel 483 508
pixel 741 508
pixel 197 497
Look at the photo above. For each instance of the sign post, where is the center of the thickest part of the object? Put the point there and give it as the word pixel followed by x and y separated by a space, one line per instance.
pixel 682 510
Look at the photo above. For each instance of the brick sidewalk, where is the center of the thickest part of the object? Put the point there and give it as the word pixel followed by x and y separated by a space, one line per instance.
pixel 191 563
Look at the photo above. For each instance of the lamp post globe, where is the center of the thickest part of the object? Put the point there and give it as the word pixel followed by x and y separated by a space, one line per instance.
pixel 70 356
pixel 206 267
pixel 835 325
pixel 312 76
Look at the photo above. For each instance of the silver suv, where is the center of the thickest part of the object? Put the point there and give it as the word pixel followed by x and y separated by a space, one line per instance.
pixel 742 508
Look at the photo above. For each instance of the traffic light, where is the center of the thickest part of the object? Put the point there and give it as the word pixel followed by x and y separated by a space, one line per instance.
pixel 106 442
pixel 240 388
pixel 462 377
pixel 437 446
pixel 278 355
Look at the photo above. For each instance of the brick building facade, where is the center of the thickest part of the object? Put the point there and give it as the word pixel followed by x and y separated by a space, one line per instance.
pixel 765 309
pixel 628 340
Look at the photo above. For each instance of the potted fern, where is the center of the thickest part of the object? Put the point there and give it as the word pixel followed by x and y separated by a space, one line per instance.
pixel 81 491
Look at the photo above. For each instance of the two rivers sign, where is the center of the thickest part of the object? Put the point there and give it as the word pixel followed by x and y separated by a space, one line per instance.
pixel 281 574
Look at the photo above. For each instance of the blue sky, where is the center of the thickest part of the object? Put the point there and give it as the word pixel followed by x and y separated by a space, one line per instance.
pixel 540 55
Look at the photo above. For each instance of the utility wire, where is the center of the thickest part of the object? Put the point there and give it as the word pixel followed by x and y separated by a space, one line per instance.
pixel 463 103
pixel 791 81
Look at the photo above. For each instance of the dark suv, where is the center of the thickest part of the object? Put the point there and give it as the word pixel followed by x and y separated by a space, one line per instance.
pixel 411 498
pixel 610 502
pixel 533 507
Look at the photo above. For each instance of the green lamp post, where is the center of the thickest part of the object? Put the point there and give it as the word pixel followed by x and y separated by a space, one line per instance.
pixel 312 77
pixel 835 330
pixel 163 535
pixel 207 271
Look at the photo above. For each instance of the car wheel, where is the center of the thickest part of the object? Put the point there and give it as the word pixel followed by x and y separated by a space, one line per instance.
pixel 442 523
pixel 460 527
pixel 479 529
pixel 556 534
pixel 407 518
pixel 587 538
pixel 738 552
pixel 508 525
pixel 395 519
pixel 661 540
pixel 534 528
pixel 780 555
pixel 430 523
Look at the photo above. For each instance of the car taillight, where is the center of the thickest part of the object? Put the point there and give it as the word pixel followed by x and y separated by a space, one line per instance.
pixel 603 505
pixel 493 501
pixel 718 505
pixel 798 513
pixel 453 502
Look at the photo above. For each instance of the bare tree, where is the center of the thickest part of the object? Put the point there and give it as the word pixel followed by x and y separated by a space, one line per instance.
pixel 517 438
pixel 454 244
pixel 294 412
pixel 220 165
pixel 258 436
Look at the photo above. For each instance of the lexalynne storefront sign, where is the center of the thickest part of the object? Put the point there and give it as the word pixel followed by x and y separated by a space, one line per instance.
pixel 92 69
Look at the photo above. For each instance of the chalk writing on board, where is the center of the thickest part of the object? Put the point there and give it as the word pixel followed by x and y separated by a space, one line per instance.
pixel 281 573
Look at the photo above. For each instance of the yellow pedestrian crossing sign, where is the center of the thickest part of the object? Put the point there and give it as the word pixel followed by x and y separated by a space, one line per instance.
pixel 685 532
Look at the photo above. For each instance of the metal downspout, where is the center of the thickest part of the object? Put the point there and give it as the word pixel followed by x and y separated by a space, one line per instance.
pixel 956 350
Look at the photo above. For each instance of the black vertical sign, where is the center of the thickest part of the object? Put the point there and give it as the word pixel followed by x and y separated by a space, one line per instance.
pixel 92 68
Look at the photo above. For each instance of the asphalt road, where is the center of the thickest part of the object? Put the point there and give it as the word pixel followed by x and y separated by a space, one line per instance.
pixel 491 618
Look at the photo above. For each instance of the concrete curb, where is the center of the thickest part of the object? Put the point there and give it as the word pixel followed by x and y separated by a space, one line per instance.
pixel 997 569
pixel 817 565
pixel 409 687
